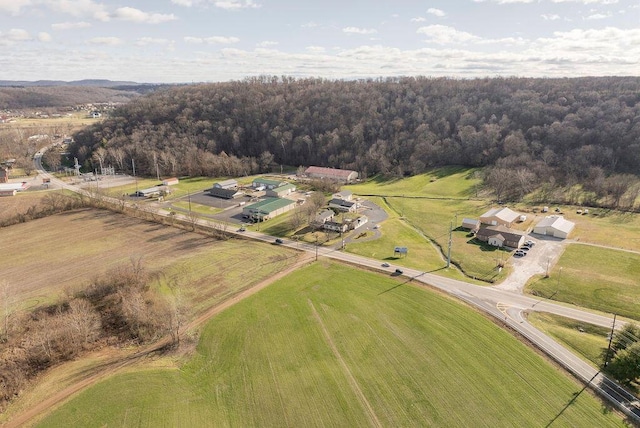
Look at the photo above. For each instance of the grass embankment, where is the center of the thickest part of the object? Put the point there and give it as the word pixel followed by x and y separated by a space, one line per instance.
pixel 584 339
pixel 334 346
pixel 594 277
pixel 432 203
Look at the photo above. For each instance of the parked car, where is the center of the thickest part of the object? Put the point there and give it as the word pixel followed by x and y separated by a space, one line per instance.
pixel 385 264
pixel 279 241
pixel 530 243
pixel 519 253
pixel 399 271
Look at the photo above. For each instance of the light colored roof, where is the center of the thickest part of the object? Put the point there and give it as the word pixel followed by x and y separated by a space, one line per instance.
pixel 470 221
pixel 230 182
pixel 330 172
pixel 504 214
pixel 557 222
pixel 266 181
pixel 286 186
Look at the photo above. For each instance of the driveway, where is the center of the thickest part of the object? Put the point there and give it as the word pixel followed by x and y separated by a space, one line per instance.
pixel 539 260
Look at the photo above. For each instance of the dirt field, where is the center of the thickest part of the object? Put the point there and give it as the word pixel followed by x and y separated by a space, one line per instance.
pixel 45 257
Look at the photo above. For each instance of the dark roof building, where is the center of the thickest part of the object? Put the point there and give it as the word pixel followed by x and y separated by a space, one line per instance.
pixel 219 192
pixel 500 236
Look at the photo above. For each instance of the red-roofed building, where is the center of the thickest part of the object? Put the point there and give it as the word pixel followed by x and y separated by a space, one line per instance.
pixel 344 175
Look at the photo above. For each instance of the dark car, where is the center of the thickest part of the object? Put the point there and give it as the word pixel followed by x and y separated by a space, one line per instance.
pixel 399 271
pixel 279 241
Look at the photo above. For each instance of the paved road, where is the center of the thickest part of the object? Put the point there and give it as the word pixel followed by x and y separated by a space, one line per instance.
pixel 508 306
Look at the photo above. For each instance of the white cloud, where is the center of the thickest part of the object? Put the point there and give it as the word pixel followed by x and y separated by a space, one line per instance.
pixel 309 25
pixel 418 19
pixel 44 37
pixel 315 49
pixel 442 34
pixel 504 1
pixel 586 1
pixel 186 3
pixel 13 6
pixel 437 12
pixel 86 8
pixel 107 41
pixel 597 16
pixel 136 15
pixel 550 17
pixel 18 35
pixel 236 4
pixel 146 41
pixel 266 44
pixel 356 30
pixel 212 40
pixel 70 25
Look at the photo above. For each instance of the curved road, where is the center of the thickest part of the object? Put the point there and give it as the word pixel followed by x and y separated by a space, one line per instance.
pixel 506 306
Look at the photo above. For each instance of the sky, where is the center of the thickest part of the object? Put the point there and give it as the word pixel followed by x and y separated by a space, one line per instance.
pixel 185 41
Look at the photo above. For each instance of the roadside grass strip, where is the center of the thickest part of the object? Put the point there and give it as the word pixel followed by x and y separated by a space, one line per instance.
pixel 355 356
pixel 593 277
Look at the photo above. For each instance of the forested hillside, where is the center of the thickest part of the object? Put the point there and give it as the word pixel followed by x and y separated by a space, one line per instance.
pixel 530 131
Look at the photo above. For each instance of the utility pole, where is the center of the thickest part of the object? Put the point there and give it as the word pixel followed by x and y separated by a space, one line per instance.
pixel 606 358
pixel 316 247
pixel 189 197
pixel 546 274
pixel 155 160
pixel 133 165
pixel 449 249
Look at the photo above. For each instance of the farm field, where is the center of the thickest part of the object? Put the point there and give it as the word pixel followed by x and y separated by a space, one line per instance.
pixel 12 205
pixel 330 345
pixel 65 251
pixel 593 277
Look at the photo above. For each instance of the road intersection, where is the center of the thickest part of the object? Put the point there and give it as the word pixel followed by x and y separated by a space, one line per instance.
pixel 507 305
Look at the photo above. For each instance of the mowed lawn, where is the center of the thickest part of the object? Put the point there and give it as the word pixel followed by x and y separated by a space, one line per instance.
pixel 433 203
pixel 334 346
pixel 596 278
pixel 49 256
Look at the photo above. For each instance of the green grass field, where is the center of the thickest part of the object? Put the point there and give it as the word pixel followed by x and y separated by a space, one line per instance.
pixel 596 278
pixel 432 203
pixel 333 346
pixel 584 339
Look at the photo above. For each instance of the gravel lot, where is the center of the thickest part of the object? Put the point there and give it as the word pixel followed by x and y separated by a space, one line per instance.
pixel 542 256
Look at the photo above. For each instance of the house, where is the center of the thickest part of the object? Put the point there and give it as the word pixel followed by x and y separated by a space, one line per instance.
pixel 342 205
pixel 343 175
pixel 356 223
pixel 499 216
pixel 226 184
pixel 500 236
pixel 336 226
pixel 345 195
pixel 268 208
pixel 323 216
pixel 219 192
pixel 170 181
pixel 554 225
pixel 263 183
pixel 470 224
pixel 281 191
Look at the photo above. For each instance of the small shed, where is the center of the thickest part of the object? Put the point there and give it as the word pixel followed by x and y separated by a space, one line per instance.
pixel 470 224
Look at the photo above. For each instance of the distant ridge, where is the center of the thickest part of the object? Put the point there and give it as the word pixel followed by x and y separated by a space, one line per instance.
pixel 102 83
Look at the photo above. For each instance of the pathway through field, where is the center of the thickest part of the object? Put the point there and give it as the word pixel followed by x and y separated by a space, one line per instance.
pixel 352 380
pixel 111 366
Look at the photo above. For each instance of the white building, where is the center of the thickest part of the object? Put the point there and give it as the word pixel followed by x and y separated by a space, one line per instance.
pixel 554 225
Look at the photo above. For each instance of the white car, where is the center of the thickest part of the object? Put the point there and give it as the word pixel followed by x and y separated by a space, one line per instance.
pixel 385 264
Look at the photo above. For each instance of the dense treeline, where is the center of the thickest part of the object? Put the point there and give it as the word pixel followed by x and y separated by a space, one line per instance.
pixel 531 131
pixel 19 98
pixel 119 308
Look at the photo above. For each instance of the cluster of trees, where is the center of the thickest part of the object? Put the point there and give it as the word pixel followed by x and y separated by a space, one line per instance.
pixel 120 307
pixel 530 130
pixel 58 96
pixel 623 361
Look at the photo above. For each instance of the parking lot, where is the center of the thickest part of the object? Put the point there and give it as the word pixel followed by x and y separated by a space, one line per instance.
pixel 537 261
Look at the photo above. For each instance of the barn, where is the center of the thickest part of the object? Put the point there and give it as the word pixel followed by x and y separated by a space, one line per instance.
pixel 554 225
pixel 268 208
pixel 499 216
pixel 343 175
